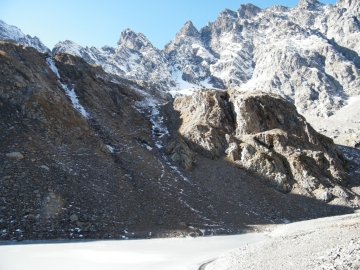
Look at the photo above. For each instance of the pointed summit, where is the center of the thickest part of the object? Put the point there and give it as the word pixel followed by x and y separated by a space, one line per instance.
pixel 228 13
pixel 132 40
pixel 248 11
pixel 189 30
pixel 69 47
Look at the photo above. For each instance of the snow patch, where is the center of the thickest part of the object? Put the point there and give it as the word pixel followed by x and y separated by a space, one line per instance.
pixel 111 149
pixel 184 88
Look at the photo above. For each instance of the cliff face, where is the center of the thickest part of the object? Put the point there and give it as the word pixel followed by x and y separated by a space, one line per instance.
pixel 262 133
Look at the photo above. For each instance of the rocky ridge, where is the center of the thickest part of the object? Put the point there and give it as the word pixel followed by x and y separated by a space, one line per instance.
pixel 134 58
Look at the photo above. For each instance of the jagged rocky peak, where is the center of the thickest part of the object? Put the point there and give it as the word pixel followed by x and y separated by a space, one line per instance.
pixel 311 5
pixel 346 3
pixel 188 30
pixel 67 46
pixel 351 6
pixel 248 11
pixel 134 41
pixel 12 33
pixel 228 13
pixel 108 49
pixel 277 8
pixel 225 22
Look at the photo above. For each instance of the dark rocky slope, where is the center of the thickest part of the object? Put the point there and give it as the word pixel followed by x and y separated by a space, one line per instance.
pixel 81 157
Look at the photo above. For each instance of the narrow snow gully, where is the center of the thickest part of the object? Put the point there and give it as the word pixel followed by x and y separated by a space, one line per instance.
pixel 150 108
pixel 69 92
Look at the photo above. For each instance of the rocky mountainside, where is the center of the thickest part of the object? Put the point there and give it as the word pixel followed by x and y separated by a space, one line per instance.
pixel 308 54
pixel 12 33
pixel 87 154
pixel 134 58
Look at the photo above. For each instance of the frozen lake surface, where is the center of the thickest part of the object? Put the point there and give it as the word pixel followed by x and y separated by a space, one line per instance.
pixel 173 253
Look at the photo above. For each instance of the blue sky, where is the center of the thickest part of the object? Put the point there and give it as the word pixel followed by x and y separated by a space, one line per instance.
pixel 97 23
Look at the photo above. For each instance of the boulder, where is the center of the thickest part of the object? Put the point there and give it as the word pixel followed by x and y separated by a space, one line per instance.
pixel 15 155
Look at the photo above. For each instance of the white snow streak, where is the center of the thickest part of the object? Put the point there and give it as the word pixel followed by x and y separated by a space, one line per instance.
pixel 111 149
pixel 69 92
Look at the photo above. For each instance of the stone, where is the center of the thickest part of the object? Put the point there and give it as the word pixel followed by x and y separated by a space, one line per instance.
pixel 160 222
pixel 180 153
pixel 15 155
pixel 45 167
pixel 74 218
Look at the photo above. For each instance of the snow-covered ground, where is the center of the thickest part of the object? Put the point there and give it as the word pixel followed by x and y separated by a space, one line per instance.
pixel 184 88
pixel 173 253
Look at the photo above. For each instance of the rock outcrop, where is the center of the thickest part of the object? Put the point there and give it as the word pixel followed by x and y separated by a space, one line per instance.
pixel 66 174
pixel 263 133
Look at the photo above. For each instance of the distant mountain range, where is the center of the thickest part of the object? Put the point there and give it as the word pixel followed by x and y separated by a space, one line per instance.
pixel 309 54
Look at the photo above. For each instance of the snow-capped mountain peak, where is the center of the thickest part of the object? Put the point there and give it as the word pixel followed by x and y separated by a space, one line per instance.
pixel 248 11
pixel 132 40
pixel 9 32
pixel 188 30
pixel 68 46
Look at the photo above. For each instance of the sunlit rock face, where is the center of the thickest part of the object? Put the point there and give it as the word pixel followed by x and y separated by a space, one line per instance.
pixel 263 133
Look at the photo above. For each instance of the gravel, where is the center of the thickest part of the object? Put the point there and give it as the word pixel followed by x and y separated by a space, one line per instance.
pixel 326 243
